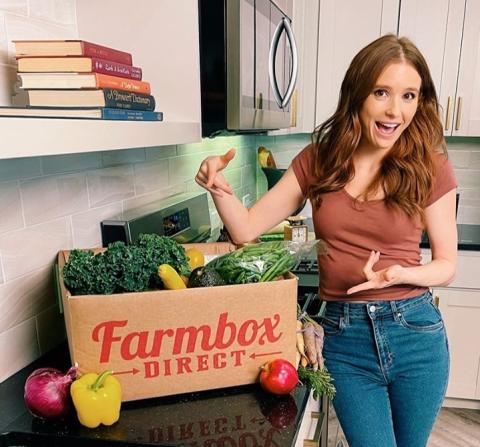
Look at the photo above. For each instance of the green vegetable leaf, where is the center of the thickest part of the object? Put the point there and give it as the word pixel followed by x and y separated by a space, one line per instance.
pixel 254 263
pixel 320 381
pixel 123 268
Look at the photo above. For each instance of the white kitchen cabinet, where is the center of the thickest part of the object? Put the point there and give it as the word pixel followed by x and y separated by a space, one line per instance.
pixel 461 312
pixel 467 104
pixel 460 307
pixel 344 28
pixel 163 39
pixel 448 34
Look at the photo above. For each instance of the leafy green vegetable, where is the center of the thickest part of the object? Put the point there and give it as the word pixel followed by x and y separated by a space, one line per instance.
pixel 254 263
pixel 79 272
pixel 164 250
pixel 320 381
pixel 123 268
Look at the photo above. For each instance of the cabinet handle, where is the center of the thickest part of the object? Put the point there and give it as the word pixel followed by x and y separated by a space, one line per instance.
pixel 459 113
pixel 293 109
pixel 449 113
pixel 436 300
pixel 315 441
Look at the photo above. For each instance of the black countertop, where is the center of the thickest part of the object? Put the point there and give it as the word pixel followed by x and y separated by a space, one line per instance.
pixel 468 238
pixel 228 417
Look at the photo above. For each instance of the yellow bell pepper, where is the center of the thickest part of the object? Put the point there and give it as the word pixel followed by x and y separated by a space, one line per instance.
pixel 195 258
pixel 97 399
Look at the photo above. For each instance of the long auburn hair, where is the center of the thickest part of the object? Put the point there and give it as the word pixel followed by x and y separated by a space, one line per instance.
pixel 407 171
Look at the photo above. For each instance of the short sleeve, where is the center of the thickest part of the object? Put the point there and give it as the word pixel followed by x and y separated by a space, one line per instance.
pixel 302 166
pixel 444 180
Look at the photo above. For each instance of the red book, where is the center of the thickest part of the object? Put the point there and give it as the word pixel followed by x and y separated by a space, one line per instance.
pixel 46 48
pixel 77 65
pixel 51 81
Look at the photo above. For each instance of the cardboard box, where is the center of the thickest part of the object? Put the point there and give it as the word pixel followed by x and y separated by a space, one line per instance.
pixel 168 342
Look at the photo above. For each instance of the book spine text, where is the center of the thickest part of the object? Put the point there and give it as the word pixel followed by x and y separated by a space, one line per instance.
pixel 118 83
pixel 131 115
pixel 118 99
pixel 116 69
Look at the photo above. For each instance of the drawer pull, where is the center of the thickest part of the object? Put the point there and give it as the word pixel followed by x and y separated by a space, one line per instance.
pixel 315 442
pixel 448 116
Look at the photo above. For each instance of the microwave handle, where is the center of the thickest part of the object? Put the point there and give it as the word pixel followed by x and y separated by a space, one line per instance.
pixel 293 78
pixel 271 63
pixel 283 25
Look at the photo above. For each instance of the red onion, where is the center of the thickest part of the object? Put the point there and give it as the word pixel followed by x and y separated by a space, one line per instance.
pixel 47 392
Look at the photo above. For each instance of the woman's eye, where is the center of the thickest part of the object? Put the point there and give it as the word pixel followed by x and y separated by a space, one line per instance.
pixel 410 95
pixel 380 93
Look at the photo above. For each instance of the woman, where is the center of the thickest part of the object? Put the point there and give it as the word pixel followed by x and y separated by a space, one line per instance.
pixel 376 174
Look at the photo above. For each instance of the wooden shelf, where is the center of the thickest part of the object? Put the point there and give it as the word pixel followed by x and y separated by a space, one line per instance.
pixel 31 137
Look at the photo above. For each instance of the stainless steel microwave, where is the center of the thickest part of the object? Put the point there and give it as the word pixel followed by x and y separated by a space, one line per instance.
pixel 248 66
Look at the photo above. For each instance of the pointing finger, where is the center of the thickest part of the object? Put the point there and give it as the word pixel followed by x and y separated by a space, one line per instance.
pixel 358 288
pixel 227 157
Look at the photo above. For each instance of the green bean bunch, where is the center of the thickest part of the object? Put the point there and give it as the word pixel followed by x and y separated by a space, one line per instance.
pixel 254 263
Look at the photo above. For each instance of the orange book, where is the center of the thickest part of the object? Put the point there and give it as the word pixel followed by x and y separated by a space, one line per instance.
pixel 60 81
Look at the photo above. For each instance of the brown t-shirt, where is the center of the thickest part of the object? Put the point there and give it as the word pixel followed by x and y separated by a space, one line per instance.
pixel 352 229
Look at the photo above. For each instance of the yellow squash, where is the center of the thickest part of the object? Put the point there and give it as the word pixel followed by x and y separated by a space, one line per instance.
pixel 170 277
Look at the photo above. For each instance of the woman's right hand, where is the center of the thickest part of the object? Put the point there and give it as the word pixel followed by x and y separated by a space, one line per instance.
pixel 209 175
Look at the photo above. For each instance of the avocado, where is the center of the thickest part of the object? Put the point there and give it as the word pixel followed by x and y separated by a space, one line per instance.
pixel 205 277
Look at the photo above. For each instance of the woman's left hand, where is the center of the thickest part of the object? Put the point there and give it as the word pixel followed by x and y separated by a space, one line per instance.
pixel 386 277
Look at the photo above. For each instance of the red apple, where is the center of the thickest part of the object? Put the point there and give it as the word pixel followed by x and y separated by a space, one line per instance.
pixel 278 377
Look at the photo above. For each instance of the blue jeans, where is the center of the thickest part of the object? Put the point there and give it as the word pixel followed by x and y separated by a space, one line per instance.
pixel 390 363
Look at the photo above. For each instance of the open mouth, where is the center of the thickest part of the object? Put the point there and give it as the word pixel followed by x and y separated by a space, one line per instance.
pixel 386 128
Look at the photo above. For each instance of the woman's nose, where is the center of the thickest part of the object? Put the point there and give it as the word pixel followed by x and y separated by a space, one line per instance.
pixel 393 108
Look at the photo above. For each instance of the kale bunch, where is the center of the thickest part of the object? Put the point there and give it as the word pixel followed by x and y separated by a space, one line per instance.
pixel 164 250
pixel 123 268
pixel 79 272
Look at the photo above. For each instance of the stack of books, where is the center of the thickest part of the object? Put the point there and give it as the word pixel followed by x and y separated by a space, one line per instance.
pixel 78 79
